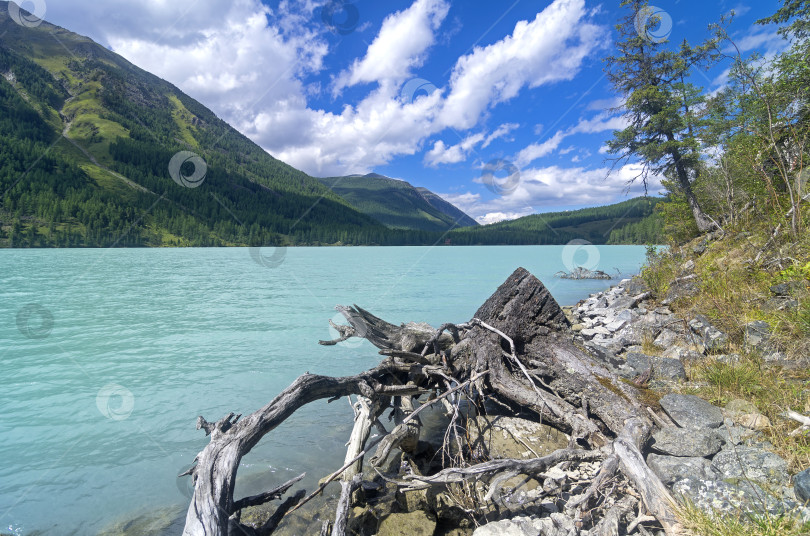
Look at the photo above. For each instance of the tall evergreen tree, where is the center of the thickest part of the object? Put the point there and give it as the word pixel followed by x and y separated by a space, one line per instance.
pixel 658 103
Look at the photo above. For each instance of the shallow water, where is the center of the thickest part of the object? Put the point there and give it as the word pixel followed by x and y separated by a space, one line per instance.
pixel 107 357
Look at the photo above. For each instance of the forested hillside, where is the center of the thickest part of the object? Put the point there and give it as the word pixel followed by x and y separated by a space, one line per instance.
pixel 397 204
pixel 87 140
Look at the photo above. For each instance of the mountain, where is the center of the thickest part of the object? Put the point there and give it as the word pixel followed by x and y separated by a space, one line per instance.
pixel 445 207
pixel 96 152
pixel 397 204
pixel 87 141
pixel 629 222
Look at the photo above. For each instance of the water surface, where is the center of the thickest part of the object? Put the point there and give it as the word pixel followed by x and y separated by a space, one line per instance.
pixel 107 357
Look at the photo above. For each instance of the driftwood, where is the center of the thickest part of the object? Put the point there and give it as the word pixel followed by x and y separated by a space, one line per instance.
pixel 517 352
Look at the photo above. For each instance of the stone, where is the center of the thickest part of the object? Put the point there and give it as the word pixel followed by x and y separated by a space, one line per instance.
pixel 801 485
pixel 729 359
pixel 668 338
pixel 689 411
pixel 688 266
pixel 750 464
pixel 596 330
pixel 635 286
pixel 511 437
pixel 786 288
pixel 686 442
pixel 670 469
pixel 699 249
pixel 667 369
pixel 754 421
pixel 757 335
pixel 615 325
pixel 683 354
pixel 517 526
pixel 577 328
pixel 781 303
pixel 719 496
pixel 740 406
pixel 418 523
pixel 713 339
pixel 735 435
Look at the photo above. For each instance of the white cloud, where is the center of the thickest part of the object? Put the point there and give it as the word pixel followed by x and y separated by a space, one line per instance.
pixel 538 150
pixel 554 186
pixel 443 154
pixel 548 49
pixel 256 67
pixel 399 46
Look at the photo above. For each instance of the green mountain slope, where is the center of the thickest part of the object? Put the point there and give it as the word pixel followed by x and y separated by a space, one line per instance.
pixel 86 139
pixel 397 204
pixel 628 222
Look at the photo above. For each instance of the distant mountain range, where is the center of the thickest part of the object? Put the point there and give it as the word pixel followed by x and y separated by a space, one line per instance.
pixel 96 152
pixel 397 204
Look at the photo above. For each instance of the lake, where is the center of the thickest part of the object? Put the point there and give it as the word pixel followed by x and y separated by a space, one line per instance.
pixel 107 357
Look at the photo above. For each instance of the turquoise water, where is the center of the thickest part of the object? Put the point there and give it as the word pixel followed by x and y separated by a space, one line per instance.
pixel 107 357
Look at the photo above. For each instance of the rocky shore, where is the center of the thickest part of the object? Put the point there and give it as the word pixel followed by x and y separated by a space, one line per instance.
pixel 718 458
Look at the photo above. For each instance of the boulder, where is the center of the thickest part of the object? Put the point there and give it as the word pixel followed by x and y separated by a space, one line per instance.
pixel 758 335
pixel 418 523
pixel 743 463
pixel 686 442
pixel 801 485
pixel 787 288
pixel 713 339
pixel 739 406
pixel 517 526
pixel 671 469
pixel 723 497
pixel 689 411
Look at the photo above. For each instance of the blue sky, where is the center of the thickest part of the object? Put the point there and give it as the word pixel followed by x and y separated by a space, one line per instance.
pixel 429 91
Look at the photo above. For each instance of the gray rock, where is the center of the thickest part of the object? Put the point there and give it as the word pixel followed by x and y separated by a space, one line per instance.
pixel 682 288
pixel 730 359
pixel 719 496
pixel 554 524
pixel 688 266
pixel 732 434
pixel 687 442
pixel 671 469
pixel 781 303
pixel 640 363
pixel 667 369
pixel 742 463
pixel 713 339
pixel 596 330
pixel 801 485
pixel 758 335
pixel 668 338
pixel 635 286
pixel 689 411
pixel 787 288
pixel 682 354
pixel 699 249
pixel 616 325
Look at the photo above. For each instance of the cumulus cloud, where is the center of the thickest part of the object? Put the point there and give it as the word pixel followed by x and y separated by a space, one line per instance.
pixel 530 57
pixel 444 154
pixel 399 46
pixel 258 68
